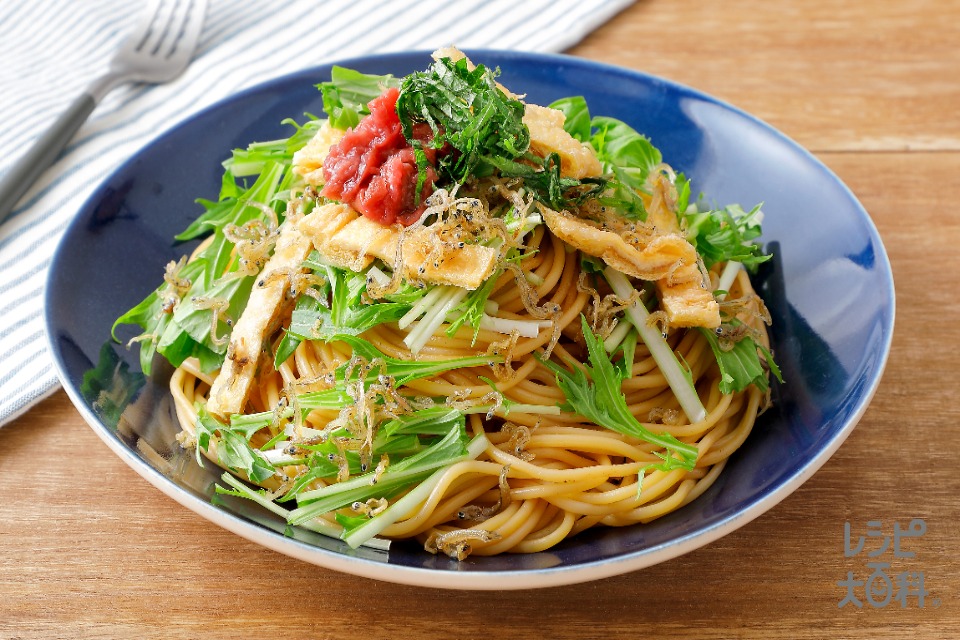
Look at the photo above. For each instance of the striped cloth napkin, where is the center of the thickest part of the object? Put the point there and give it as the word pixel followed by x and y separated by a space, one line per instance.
pixel 51 49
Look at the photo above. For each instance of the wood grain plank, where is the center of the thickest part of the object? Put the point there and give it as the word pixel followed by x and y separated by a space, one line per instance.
pixel 878 75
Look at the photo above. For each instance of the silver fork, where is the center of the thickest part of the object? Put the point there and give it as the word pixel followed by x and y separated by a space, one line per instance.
pixel 158 50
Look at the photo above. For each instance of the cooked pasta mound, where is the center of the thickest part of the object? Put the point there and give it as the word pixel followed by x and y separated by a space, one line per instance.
pixel 484 325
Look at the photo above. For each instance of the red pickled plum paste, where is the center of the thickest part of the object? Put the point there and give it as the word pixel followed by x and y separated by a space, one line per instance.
pixel 373 168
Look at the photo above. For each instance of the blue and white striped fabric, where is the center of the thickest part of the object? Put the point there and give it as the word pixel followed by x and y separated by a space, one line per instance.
pixel 51 49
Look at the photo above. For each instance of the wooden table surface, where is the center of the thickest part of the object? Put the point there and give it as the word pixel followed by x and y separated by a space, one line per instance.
pixel 872 88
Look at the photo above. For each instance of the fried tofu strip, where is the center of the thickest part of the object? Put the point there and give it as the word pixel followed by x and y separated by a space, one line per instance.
pixel 657 260
pixel 352 241
pixel 689 305
pixel 267 305
pixel 547 135
pixel 685 297
pixel 323 225
pixel 667 259
pixel 308 161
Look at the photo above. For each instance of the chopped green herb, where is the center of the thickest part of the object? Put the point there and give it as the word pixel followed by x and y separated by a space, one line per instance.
pixel 465 109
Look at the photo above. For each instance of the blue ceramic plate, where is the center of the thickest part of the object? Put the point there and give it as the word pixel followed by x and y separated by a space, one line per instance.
pixel 829 288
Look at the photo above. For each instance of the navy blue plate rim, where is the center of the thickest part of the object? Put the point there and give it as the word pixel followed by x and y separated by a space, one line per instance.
pixel 470 576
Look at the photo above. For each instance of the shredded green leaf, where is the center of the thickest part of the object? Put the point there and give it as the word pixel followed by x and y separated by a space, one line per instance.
pixel 725 234
pixel 175 324
pixel 346 94
pixel 234 449
pixel 626 156
pixel 471 309
pixel 398 476
pixel 576 117
pixel 740 365
pixel 594 393
pixel 404 371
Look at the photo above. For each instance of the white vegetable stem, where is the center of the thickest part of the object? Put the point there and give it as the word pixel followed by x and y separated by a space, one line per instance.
pixel 279 458
pixel 526 328
pixel 446 302
pixel 729 274
pixel 317 525
pixel 406 504
pixel 659 348
pixel 421 306
pixel 378 276
pixel 618 335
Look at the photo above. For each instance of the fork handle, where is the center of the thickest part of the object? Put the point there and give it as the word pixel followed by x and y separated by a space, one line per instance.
pixel 43 152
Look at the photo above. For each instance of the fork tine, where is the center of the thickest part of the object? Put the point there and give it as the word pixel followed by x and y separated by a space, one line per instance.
pixel 184 37
pixel 171 25
pixel 145 22
pixel 159 23
pixel 162 44
pixel 183 32
pixel 167 23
